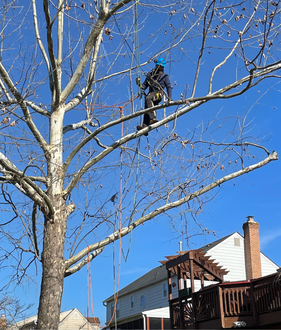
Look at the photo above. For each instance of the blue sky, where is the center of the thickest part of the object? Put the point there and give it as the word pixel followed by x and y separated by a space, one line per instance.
pixel 257 193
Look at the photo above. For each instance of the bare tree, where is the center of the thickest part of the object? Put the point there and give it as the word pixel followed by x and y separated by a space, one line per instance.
pixel 11 309
pixel 69 114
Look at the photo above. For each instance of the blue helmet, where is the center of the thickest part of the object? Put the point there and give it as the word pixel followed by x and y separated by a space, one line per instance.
pixel 161 61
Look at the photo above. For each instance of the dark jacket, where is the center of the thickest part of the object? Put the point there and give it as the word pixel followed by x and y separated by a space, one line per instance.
pixel 157 82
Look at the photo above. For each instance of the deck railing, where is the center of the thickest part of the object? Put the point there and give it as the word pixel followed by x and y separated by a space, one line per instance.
pixel 267 295
pixel 236 301
pixel 228 300
pixel 206 304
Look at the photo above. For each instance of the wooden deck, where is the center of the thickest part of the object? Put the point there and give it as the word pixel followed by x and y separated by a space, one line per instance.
pixel 255 302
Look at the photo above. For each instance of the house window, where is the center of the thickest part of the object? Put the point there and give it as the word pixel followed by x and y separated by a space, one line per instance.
pixel 236 241
pixel 132 301
pixel 117 309
pixel 142 301
pixel 165 290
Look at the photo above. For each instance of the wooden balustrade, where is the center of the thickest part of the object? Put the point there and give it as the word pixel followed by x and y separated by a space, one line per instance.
pixel 236 301
pixel 267 296
pixel 206 304
pixel 244 299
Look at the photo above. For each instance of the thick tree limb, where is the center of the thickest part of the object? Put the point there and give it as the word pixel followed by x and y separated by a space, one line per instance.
pixel 103 18
pixel 83 262
pixel 51 51
pixel 40 43
pixel 124 231
pixel 35 107
pixel 79 125
pixel 195 102
pixel 28 186
pixel 33 128
pixel 34 229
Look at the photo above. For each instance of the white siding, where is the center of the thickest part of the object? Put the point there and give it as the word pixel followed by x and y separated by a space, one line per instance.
pixel 75 321
pixel 267 266
pixel 153 299
pixel 232 258
pixel 229 254
pixel 153 296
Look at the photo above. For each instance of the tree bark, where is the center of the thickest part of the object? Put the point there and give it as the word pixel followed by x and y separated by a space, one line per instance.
pixel 53 262
pixel 53 267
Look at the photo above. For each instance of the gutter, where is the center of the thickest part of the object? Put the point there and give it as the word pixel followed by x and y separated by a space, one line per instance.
pixel 144 321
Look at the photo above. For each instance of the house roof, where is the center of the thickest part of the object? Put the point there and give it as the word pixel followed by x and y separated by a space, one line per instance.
pixel 160 273
pixel 33 319
pixel 209 246
pixel 155 275
pixel 93 320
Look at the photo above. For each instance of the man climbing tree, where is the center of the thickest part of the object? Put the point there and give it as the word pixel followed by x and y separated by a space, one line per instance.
pixel 157 81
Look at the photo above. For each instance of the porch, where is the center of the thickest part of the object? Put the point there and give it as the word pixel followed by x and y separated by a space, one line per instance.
pixel 249 304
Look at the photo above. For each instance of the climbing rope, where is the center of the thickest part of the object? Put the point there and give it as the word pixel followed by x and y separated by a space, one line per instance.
pixel 90 291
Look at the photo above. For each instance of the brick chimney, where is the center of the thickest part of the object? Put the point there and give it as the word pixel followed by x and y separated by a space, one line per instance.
pixel 252 248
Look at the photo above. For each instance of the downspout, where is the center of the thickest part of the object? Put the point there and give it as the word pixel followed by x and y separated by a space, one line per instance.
pixel 144 321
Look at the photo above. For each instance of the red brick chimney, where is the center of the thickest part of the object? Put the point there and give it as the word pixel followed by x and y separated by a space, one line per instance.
pixel 252 248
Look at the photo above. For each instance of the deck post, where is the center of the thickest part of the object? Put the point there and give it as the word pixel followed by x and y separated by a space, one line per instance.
pixel 254 309
pixel 170 298
pixel 192 290
pixel 221 307
pixel 180 299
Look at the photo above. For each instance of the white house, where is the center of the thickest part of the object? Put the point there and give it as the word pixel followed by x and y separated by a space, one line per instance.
pixel 144 303
pixel 69 320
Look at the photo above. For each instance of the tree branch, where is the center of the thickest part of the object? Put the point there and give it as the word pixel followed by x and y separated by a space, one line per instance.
pixel 40 43
pixel 28 186
pixel 78 125
pixel 124 231
pixel 94 34
pixel 232 50
pixel 82 263
pixel 51 52
pixel 33 128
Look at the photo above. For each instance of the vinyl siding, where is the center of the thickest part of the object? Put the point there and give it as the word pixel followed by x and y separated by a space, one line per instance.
pixel 75 321
pixel 154 298
pixel 228 252
pixel 232 258
pixel 71 323
pixel 69 320
pixel 267 266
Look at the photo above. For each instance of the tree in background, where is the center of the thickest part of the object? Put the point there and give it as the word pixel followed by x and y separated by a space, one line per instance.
pixel 74 175
pixel 11 309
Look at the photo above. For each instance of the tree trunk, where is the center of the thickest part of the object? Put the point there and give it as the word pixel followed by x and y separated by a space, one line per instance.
pixel 53 262
pixel 53 268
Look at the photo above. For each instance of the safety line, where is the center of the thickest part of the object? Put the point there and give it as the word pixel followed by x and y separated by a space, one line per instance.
pixel 89 290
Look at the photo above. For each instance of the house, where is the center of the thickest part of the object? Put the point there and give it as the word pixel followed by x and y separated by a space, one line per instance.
pixel 252 303
pixel 144 303
pixel 69 320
